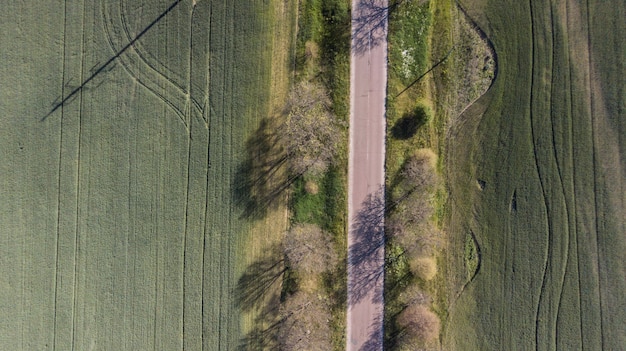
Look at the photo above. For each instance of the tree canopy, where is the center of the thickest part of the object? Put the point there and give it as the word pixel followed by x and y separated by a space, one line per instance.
pixel 309 249
pixel 311 133
pixel 304 324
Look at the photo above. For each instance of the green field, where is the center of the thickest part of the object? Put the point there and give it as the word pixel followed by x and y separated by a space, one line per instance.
pixel 537 175
pixel 123 124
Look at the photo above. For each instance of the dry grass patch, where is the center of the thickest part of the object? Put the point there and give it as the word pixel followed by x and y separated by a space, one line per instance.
pixel 424 267
pixel 311 187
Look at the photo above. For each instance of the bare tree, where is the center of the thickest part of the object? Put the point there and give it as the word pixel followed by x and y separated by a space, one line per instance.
pixel 419 325
pixel 311 133
pixel 416 237
pixel 309 249
pixel 304 324
pixel 423 267
pixel 413 295
pixel 409 224
pixel 419 170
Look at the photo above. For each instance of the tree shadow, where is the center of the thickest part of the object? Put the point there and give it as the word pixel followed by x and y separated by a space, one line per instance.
pixel 264 336
pixel 261 179
pixel 369 25
pixel 407 126
pixel 258 278
pixel 375 339
pixel 336 37
pixel 366 254
pixel 256 290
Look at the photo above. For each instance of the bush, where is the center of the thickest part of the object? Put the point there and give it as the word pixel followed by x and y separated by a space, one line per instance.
pixel 309 249
pixel 424 267
pixel 419 326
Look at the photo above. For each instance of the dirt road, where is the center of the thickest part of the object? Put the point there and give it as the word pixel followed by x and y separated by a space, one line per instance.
pixel 366 175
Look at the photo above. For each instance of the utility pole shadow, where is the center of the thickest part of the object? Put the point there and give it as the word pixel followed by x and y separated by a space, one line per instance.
pixel 104 67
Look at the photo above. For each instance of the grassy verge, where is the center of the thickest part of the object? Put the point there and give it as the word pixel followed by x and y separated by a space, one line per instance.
pixel 322 54
pixel 410 121
pixel 438 65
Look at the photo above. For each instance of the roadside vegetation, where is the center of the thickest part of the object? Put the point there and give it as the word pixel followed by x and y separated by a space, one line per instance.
pixel 438 65
pixel 301 152
pixel 319 197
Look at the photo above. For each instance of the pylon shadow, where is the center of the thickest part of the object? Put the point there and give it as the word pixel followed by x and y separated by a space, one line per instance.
pixel 105 66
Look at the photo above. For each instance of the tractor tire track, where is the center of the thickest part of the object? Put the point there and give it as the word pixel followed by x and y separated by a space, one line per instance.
pixel 78 155
pixel 558 243
pixel 541 185
pixel 206 116
pixel 162 71
pixel 565 203
pixel 143 57
pixel 574 196
pixel 595 166
pixel 186 215
pixel 60 164
pixel 573 162
pixel 128 68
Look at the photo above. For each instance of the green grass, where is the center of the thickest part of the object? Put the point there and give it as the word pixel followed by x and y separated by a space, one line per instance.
pixel 548 220
pixel 411 121
pixel 120 230
pixel 325 208
pixel 470 254
pixel 409 32
pixel 308 208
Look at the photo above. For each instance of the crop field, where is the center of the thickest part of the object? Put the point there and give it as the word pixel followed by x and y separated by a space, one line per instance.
pixel 123 125
pixel 537 176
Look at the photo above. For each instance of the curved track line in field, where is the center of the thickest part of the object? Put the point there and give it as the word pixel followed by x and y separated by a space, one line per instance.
pixel 553 272
pixel 143 54
pixel 537 170
pixel 573 163
pixel 567 229
pixel 566 235
pixel 142 60
pixel 128 67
